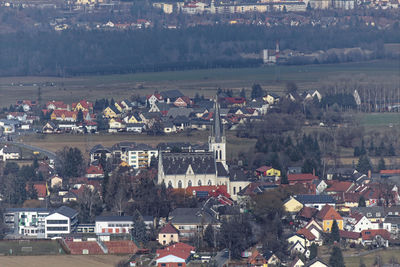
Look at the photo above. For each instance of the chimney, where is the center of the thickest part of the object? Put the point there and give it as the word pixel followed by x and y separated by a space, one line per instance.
pixel 369 173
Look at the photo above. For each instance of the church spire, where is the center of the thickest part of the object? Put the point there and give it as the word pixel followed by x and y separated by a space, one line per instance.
pixel 217 123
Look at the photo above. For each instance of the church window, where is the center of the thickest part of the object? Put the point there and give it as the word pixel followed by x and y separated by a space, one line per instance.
pixel 209 182
pixel 216 154
pixel 190 183
pixel 180 184
pixel 170 184
pixel 199 183
pixel 220 154
pixel 234 190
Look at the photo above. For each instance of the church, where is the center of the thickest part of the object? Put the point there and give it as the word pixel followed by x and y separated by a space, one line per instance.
pixel 181 170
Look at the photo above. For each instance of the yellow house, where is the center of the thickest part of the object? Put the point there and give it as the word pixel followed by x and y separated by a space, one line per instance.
pixel 134 119
pixel 167 235
pixel 327 215
pixel 111 112
pixel 271 98
pixel 268 171
pixel 292 205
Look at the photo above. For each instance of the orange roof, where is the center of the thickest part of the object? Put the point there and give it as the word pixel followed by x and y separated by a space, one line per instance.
pixel 390 171
pixel 85 104
pixel 94 169
pixel 338 186
pixel 57 104
pixel 328 213
pixel 370 234
pixel 180 250
pixel 306 233
pixel 66 113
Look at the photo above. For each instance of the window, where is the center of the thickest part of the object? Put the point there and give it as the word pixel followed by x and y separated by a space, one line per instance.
pixel 57 221
pixel 199 183
pixel 164 235
pixel 169 184
pixel 57 228
pixel 190 183
pixel 180 184
pixel 378 214
pixel 209 182
pixel 163 264
pixel 369 214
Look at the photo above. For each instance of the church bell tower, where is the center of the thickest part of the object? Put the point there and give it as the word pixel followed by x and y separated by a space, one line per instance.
pixel 217 140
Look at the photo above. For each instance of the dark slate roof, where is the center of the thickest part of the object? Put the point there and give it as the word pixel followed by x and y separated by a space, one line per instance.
pixel 114 219
pixel 191 216
pixel 171 94
pixel 221 170
pixel 374 212
pixel 99 148
pixel 308 199
pixel 168 146
pixel 175 112
pixel 66 211
pixel 11 149
pixel 178 163
pixel 27 210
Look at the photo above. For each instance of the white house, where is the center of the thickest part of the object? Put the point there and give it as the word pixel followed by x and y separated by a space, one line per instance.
pixel 106 225
pixel 61 221
pixel 8 152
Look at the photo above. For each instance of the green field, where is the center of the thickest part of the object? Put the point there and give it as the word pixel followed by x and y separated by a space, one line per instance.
pixel 204 81
pixel 386 257
pixel 30 247
pixel 380 119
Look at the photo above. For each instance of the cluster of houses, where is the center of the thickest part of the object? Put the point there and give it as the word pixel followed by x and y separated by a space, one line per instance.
pixel 163 113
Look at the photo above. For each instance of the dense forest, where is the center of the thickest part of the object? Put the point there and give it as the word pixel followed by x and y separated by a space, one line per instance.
pixel 96 52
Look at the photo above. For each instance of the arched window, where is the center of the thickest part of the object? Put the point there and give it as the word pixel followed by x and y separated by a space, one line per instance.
pixel 180 184
pixel 170 184
pixel 190 183
pixel 216 154
pixel 234 190
pixel 209 182
pixel 199 183
pixel 220 154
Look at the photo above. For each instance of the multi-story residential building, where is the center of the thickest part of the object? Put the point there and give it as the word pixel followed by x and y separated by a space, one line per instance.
pixel 26 221
pixel 140 156
pixel 61 221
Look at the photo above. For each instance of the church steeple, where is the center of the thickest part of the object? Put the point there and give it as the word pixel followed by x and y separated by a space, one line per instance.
pixel 217 140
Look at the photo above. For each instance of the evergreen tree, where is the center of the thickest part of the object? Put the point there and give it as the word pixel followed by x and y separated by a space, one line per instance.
pixel 363 164
pixel 334 236
pixel 361 202
pixel 284 179
pixel 242 93
pixel 391 151
pixel 313 251
pixel 79 116
pixel 32 193
pixel 209 236
pixel 336 259
pixel 256 91
pixel 381 164
pixel 139 232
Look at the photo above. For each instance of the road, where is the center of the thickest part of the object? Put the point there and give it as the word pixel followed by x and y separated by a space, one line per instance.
pixel 51 155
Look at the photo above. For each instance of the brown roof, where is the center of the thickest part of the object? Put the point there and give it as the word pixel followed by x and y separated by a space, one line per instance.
pixel 307 212
pixel 328 213
pixel 339 187
pixel 306 233
pixel 169 229
pixel 370 234
pixel 349 235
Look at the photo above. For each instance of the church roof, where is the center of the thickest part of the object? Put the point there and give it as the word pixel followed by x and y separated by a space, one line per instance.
pixel 199 162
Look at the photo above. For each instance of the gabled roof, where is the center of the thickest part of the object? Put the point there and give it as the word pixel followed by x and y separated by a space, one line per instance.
pixel 171 94
pixel 180 250
pixel 315 260
pixel 307 212
pixel 328 213
pixel 94 170
pixel 66 211
pixel 307 234
pixel 349 235
pixel 340 186
pixel 313 199
pixel 295 177
pixel 169 229
pixel 371 234
pixel 114 219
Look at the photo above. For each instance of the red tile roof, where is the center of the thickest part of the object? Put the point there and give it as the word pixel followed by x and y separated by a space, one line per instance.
pixel 328 213
pixel 66 113
pixel 235 100
pixel 40 188
pixel 180 250
pixel 263 168
pixel 307 212
pixel 306 233
pixel 57 104
pixel 370 234
pixel 339 187
pixel 169 229
pixel 390 171
pixel 349 235
pixel 95 170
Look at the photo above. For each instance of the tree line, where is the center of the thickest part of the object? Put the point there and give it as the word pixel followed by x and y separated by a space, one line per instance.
pixel 77 52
